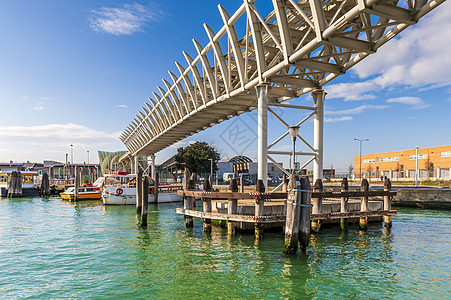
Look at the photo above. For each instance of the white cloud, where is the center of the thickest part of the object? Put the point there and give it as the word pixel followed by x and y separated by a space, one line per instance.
pixel 419 58
pixel 182 144
pixel 415 102
pixel 38 106
pixel 351 91
pixel 122 106
pixel 126 20
pixel 52 141
pixel 45 98
pixel 357 110
pixel 55 132
pixel 340 119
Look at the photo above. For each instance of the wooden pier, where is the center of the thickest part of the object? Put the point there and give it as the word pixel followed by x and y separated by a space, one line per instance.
pixel 298 210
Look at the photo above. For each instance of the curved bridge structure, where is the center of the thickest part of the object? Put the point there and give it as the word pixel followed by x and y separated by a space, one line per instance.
pixel 296 49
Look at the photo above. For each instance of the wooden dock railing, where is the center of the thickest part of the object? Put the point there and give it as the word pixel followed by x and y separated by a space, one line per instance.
pixel 302 207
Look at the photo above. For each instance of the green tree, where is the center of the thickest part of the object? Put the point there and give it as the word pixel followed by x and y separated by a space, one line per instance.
pixel 196 158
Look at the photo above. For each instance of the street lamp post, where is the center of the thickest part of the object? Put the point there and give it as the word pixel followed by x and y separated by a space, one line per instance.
pixel 211 169
pixel 416 166
pixel 293 130
pixel 89 168
pixel 360 154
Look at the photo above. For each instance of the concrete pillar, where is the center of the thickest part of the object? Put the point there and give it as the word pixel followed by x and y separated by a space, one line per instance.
pixel 318 131
pixel 262 94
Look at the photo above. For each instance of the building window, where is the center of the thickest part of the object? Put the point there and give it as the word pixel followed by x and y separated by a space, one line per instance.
pixel 420 156
pixel 367 161
pixel 446 154
pixel 384 159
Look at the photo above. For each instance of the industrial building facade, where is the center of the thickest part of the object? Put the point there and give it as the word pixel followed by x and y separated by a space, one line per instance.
pixel 433 162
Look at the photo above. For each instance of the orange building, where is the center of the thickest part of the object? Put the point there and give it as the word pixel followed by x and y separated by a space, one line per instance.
pixel 433 162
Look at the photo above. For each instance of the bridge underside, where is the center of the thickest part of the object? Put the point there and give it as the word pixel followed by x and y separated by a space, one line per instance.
pixel 296 49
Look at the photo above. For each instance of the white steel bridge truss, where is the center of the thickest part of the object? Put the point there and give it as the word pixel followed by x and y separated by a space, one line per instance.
pixel 296 49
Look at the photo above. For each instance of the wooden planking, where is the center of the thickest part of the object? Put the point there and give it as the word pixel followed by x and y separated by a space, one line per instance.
pixel 229 217
pixel 324 194
pixel 352 214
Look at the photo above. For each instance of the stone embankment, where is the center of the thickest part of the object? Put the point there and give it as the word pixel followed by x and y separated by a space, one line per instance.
pixel 437 198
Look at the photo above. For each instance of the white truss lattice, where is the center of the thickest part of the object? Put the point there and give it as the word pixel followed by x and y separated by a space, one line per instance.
pixel 297 48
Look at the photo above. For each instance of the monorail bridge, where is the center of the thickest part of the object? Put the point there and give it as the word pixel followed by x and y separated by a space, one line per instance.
pixel 296 49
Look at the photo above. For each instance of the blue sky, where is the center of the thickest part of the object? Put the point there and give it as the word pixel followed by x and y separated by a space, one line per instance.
pixel 76 72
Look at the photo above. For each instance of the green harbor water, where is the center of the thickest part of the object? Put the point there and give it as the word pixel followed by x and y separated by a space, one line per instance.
pixel 51 249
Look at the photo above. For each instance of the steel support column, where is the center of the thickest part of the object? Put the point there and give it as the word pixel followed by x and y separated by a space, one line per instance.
pixel 152 158
pixel 262 94
pixel 318 129
pixel 135 165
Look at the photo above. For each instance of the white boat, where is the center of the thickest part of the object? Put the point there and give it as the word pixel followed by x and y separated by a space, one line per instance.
pixel 120 189
pixel 28 183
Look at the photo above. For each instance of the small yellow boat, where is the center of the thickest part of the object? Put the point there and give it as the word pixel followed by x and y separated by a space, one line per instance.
pixel 84 193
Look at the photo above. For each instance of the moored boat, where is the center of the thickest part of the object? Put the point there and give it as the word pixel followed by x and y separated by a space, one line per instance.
pixel 84 193
pixel 120 189
pixel 28 183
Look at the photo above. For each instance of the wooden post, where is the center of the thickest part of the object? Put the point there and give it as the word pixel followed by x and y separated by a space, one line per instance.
pixel 188 201
pixel 77 183
pixel 259 209
pixel 19 184
pixel 145 201
pixel 156 187
pixel 387 202
pixel 293 216
pixel 363 222
pixel 285 190
pixel 344 203
pixel 241 184
pixel 206 203
pixel 304 227
pixel 45 185
pixel 232 207
pixel 139 187
pixel 317 202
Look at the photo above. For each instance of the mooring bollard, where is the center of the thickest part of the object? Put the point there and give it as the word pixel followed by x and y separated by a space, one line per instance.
pixel 139 187
pixel 363 221
pixel 293 216
pixel 387 202
pixel 344 203
pixel 232 207
pixel 206 203
pixel 259 209
pixel 317 202
pixel 145 201
pixel 156 187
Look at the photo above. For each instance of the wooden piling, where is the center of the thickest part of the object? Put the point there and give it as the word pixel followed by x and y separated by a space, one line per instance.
pixel 284 190
pixel 156 187
pixel 293 216
pixel 77 183
pixel 317 202
pixel 241 184
pixel 45 185
pixel 15 185
pixel 259 209
pixel 232 207
pixel 145 201
pixel 304 225
pixel 344 204
pixel 139 187
pixel 387 202
pixel 363 222
pixel 206 205
pixel 188 184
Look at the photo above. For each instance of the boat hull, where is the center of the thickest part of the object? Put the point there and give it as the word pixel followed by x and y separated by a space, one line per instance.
pixel 81 197
pixel 128 197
